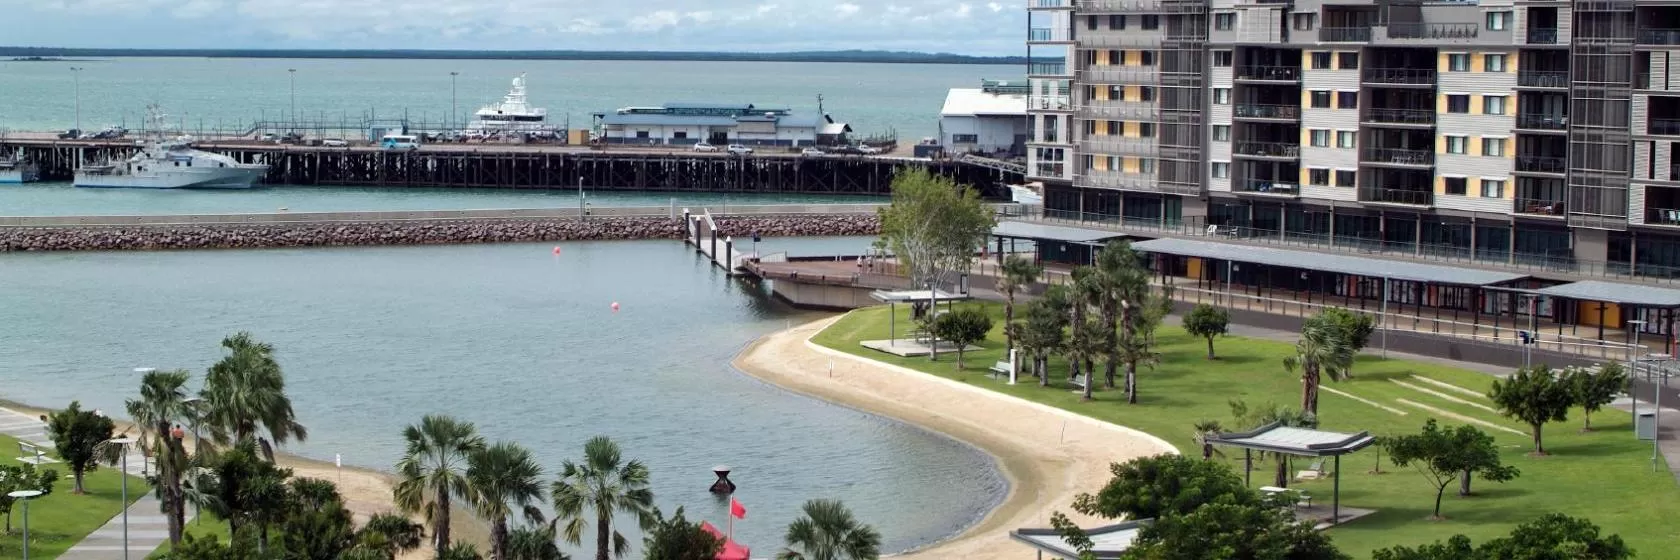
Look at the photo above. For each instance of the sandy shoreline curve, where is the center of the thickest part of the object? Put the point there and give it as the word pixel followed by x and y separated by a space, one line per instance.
pixel 1048 455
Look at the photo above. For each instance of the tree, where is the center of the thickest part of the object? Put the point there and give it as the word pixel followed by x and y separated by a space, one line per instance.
pixel 1018 273
pixel 1121 285
pixel 244 488
pixel 505 480
pixel 1162 485
pixel 675 538
pixel 828 531
pixel 1204 431
pixel 210 548
pixel 460 551
pixel 534 543
pixel 1044 331
pixel 1273 414
pixel 1207 321
pixel 962 327
pixel 1552 536
pixel 1352 329
pixel 1088 340
pixel 245 394
pixel 934 225
pixel 80 437
pixel 158 412
pixel 22 477
pixel 1594 389
pixel 1135 350
pixel 1442 455
pixel 608 485
pixel 1534 396
pixel 1232 528
pixel 433 470
pixel 1320 352
pixel 391 534
pixel 322 532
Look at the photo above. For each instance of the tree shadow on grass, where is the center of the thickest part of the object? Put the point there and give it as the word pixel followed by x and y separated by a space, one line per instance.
pixel 1482 490
pixel 1565 449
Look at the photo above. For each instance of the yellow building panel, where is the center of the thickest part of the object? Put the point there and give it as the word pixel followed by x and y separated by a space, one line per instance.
pixel 1129 165
pixel 1306 137
pixel 1133 93
pixel 1134 58
pixel 1511 62
pixel 1099 163
pixel 1473 146
pixel 1441 144
pixel 1476 104
pixel 1101 93
pixel 1129 129
pixel 1441 104
pixel 1441 64
pixel 1473 187
pixel 1306 98
pixel 1306 176
pixel 1440 185
pixel 1477 63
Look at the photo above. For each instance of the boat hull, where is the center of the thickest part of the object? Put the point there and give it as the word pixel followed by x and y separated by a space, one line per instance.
pixel 26 173
pixel 197 178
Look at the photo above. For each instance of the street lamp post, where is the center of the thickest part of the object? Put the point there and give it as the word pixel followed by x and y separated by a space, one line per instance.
pixel 124 442
pixel 454 109
pixel 145 464
pixel 293 73
pixel 76 72
pixel 1635 326
pixel 24 496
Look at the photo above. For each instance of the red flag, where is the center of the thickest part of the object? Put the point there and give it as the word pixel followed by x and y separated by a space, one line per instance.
pixel 736 509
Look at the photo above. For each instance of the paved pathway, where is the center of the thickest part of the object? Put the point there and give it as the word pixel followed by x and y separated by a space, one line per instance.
pixel 147 527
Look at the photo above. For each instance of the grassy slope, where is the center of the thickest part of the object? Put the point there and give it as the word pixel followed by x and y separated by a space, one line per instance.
pixel 1604 475
pixel 61 519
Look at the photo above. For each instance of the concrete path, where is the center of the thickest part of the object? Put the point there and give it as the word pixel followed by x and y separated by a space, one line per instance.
pixel 147 527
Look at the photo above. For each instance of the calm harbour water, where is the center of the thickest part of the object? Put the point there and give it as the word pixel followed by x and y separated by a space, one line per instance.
pixel 873 98
pixel 519 341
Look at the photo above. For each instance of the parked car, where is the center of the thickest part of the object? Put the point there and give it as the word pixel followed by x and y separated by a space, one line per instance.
pixel 811 152
pixel 739 150
pixel 335 143
pixel 704 147
pixel 110 133
pixel 269 137
pixel 400 142
pixel 71 134
pixel 867 150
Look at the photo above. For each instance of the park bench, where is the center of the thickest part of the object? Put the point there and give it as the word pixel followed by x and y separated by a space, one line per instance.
pixel 1300 497
pixel 1079 382
pixel 1002 368
pixel 1314 472
pixel 33 454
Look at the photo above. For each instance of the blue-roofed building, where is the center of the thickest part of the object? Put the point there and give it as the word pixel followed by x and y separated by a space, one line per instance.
pixel 717 124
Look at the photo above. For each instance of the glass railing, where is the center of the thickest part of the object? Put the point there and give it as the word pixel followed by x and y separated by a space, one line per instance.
pixel 1659 36
pixel 1047 69
pixel 1433 30
pixel 1259 111
pixel 1344 34
pixel 1542 122
pixel 1540 206
pixel 1662 216
pixel 1047 34
pixel 1398 76
pixel 1268 149
pixel 1396 196
pixel 1274 73
pixel 1543 79
pixel 1400 116
pixel 1542 36
pixel 1049 102
pixel 1399 155
pixel 1542 164
pixel 1049 3
pixel 1666 127
pixel 1268 187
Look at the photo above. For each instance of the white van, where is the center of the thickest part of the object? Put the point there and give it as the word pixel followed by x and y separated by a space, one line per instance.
pixel 400 142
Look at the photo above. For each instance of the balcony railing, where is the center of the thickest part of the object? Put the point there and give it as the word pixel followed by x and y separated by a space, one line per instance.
pixel 1344 34
pixel 1258 111
pixel 1120 74
pixel 1543 79
pixel 1267 187
pixel 1047 69
pixel 1049 103
pixel 1542 164
pixel 1662 216
pixel 1542 122
pixel 1049 3
pixel 1542 36
pixel 1665 127
pixel 1118 145
pixel 1659 36
pixel 1400 116
pixel 1541 206
pixel 1433 30
pixel 1398 76
pixel 1097 6
pixel 1050 169
pixel 1396 196
pixel 1273 73
pixel 1043 34
pixel 1399 155
pixel 1121 110
pixel 1268 149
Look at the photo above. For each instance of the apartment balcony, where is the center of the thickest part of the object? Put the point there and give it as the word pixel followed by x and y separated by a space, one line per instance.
pixel 1268 74
pixel 1662 216
pixel 1537 79
pixel 1120 75
pixel 1398 156
pixel 1268 150
pixel 1049 170
pixel 1256 111
pixel 1050 4
pixel 1269 188
pixel 1409 197
pixel 1048 70
pixel 1538 207
pixel 1433 31
pixel 1118 146
pixel 1543 122
pixel 1542 164
pixel 1542 36
pixel 1344 34
pixel 1406 117
pixel 1049 103
pixel 1144 182
pixel 1663 127
pixel 1049 35
pixel 1120 110
pixel 1118 6
pixel 1659 37
pixel 1398 76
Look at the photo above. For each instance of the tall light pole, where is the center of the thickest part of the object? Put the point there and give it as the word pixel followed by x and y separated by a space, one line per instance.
pixel 124 442
pixel 145 464
pixel 24 496
pixel 1635 326
pixel 76 73
pixel 454 110
pixel 293 73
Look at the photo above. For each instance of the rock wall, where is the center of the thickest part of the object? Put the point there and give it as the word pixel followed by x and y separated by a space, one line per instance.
pixel 256 236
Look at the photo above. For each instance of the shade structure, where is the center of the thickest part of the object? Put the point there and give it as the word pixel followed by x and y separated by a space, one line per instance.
pixel 731 550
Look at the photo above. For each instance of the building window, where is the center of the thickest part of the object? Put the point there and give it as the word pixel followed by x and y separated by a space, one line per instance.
pixel 965 138
pixel 1498 21
pixel 1458 103
pixel 1320 99
pixel 1221 170
pixel 1222 58
pixel 1091 22
pixel 1321 61
pixel 1222 133
pixel 1320 138
pixel 1456 185
pixel 1151 21
pixel 1347 100
pixel 642 134
pixel 1345 138
pixel 1493 105
pixel 1146 93
pixel 1117 22
pixel 1493 146
pixel 1493 188
pixel 1116 93
pixel 1304 21
pixel 1224 22
pixel 1146 165
pixel 1146 130
pixel 1494 63
pixel 1222 96
pixel 1116 128
pixel 1090 161
pixel 1320 177
pixel 1344 177
pixel 1456 144
pixel 1458 62
pixel 1347 61
pixel 679 135
pixel 1147 58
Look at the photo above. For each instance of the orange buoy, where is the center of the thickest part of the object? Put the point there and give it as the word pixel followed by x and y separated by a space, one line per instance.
pixel 556 250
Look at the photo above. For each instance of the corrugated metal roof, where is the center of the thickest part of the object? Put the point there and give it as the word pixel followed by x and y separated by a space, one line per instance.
pixel 970 102
pixel 1345 264
pixel 835 128
pixel 690 105
pixel 1029 230
pixel 1613 292
pixel 1297 441
pixel 660 120
pixel 801 121
pixel 1107 542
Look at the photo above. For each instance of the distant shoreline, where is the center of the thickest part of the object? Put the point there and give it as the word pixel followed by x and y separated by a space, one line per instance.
pixel 858 56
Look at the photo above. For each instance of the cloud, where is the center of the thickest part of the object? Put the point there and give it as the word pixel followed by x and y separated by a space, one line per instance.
pixel 847 9
pixel 994 6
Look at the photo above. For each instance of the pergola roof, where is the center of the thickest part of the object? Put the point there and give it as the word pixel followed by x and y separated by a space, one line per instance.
pixel 1296 441
pixel 1108 542
pixel 1345 264
pixel 1612 292
pixel 1047 232
pixel 914 295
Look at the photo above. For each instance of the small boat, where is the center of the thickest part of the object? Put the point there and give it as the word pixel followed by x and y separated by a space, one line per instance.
pixel 512 114
pixel 14 168
pixel 170 163
pixel 1021 194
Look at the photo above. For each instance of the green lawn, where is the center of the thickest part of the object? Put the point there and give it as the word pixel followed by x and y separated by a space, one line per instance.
pixel 1604 475
pixel 60 520
pixel 205 526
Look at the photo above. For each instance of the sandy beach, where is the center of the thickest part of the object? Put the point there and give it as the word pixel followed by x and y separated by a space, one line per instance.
pixel 1048 455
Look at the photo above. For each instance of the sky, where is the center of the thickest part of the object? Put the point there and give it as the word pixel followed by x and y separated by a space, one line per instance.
pixel 956 26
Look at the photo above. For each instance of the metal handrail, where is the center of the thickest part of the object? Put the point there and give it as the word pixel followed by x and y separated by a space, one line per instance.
pixel 1399 155
pixel 1433 30
pixel 1542 206
pixel 1344 34
pixel 1542 164
pixel 1400 116
pixel 1397 76
pixel 1396 196
pixel 1260 111
pixel 1542 121
pixel 1268 149
pixel 1532 78
pixel 1275 73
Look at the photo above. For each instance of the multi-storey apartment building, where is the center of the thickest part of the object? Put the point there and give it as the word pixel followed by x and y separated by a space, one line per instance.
pixel 1504 130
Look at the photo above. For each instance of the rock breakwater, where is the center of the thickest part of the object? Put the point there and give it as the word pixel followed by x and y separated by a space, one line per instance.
pixel 416 232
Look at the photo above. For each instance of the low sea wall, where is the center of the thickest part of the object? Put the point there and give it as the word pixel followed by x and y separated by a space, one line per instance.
pixel 266 234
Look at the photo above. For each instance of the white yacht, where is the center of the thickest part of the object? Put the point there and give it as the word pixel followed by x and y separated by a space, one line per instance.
pixel 171 164
pixel 512 114
pixel 14 168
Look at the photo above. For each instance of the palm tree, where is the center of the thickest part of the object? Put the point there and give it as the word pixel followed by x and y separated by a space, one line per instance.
pixel 1204 432
pixel 1042 333
pixel 829 532
pixel 1318 354
pixel 1086 292
pixel 1123 284
pixel 534 543
pixel 505 480
pixel 391 533
pixel 1134 350
pixel 245 394
pixel 158 411
pixel 1018 273
pixel 434 470
pixel 608 485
